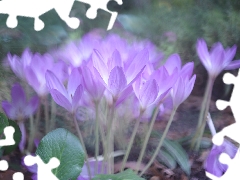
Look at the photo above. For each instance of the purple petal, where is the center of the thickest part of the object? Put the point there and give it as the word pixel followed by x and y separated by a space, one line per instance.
pixel 189 85
pixel 203 53
pixel 92 85
pixel 187 70
pixel 9 110
pixel 229 54
pixel 61 100
pixel 124 94
pixel 137 65
pixel 115 60
pixel 99 64
pixel 33 81
pixel 174 61
pixel 212 164
pixel 117 81
pixel 77 96
pixel 178 92
pixel 31 106
pixel 18 96
pixel 233 65
pixel 148 93
pixel 74 81
pixel 54 83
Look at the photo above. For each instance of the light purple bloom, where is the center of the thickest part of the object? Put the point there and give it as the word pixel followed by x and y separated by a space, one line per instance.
pixel 18 64
pixel 217 59
pixel 155 88
pixel 68 98
pixel 91 82
pixel 184 85
pixel 35 72
pixel 19 109
pixel 116 77
pixel 212 164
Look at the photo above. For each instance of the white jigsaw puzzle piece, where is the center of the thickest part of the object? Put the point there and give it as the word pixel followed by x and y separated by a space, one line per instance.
pixel 233 167
pixel 36 8
pixel 232 131
pixel 44 170
pixel 101 4
pixel 9 140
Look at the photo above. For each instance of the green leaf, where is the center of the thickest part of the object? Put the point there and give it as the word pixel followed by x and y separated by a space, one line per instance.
pixel 176 150
pixel 165 158
pixel 125 175
pixel 16 136
pixel 3 122
pixel 65 146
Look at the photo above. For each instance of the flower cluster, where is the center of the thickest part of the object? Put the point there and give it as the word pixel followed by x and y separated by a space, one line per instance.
pixel 110 68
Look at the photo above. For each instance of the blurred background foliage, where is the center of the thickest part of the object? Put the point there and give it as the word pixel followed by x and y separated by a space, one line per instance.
pixel 173 25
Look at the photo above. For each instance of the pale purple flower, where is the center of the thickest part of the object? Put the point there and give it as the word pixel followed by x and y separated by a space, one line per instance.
pixel 18 64
pixel 184 85
pixel 116 77
pixel 84 174
pixel 68 98
pixel 35 72
pixel 217 59
pixel 19 109
pixel 75 53
pixel 212 164
pixel 155 88
pixel 91 82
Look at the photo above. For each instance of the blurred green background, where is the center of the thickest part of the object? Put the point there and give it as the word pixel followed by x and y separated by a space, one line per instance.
pixel 173 25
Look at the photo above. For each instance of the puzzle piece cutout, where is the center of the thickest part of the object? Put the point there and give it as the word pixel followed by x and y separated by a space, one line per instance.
pixel 8 132
pixel 233 167
pixel 36 8
pixel 44 170
pixel 232 131
pixel 9 140
pixel 101 4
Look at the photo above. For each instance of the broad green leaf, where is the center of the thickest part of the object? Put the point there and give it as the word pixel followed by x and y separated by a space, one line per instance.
pixel 176 150
pixel 3 122
pixel 65 146
pixel 165 158
pixel 16 136
pixel 125 175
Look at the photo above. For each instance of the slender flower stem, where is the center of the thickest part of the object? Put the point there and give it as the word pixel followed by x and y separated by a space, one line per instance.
pixel 211 125
pixel 53 114
pixel 96 137
pixel 161 141
pixel 45 102
pixel 203 112
pixel 155 113
pixel 31 135
pixel 82 142
pixel 110 138
pixel 130 144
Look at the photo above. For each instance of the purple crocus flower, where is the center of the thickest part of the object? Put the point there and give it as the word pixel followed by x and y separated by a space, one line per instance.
pixel 184 85
pixel 68 98
pixel 212 164
pixel 217 59
pixel 18 64
pixel 19 109
pixel 91 81
pixel 155 88
pixel 35 72
pixel 116 77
